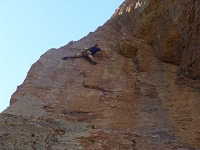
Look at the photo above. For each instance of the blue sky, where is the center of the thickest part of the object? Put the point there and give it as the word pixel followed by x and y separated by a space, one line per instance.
pixel 28 28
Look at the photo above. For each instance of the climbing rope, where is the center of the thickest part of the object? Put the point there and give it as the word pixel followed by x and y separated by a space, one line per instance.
pixel 49 137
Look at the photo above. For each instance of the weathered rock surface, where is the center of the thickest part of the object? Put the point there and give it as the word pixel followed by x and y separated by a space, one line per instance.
pixel 143 94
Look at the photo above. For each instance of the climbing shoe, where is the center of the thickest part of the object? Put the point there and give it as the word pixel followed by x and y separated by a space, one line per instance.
pixel 65 58
pixel 94 63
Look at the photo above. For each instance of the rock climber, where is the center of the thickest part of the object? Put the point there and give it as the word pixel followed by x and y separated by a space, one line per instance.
pixel 87 52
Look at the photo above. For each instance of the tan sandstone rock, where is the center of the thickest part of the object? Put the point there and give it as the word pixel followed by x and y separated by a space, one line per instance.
pixel 142 95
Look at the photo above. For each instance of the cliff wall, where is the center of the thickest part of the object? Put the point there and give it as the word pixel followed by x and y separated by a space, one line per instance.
pixel 142 94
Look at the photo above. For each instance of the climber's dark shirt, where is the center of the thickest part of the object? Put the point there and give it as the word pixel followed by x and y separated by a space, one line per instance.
pixel 94 49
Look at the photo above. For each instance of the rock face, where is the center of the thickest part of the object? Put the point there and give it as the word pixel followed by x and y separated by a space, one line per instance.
pixel 143 93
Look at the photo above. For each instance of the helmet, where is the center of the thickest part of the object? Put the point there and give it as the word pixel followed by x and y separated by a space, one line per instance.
pixel 85 48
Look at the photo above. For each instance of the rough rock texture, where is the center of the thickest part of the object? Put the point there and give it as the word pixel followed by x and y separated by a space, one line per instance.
pixel 142 95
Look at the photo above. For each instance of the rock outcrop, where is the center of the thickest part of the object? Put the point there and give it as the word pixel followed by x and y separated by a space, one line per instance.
pixel 143 94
